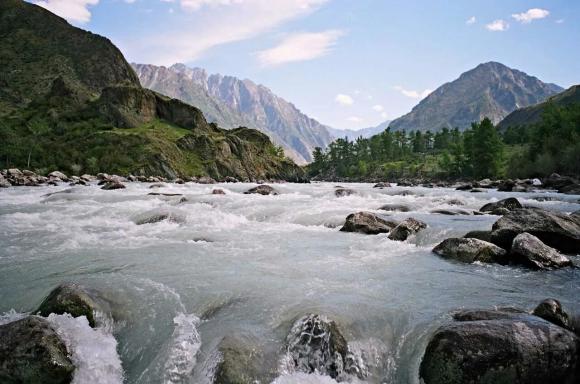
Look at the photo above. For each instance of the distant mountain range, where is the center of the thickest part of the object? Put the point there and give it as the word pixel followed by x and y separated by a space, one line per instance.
pixel 533 114
pixel 232 102
pixel 490 90
pixel 352 134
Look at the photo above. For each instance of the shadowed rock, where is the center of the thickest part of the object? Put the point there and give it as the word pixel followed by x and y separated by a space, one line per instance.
pixel 113 185
pixel 510 204
pixel 31 352
pixel 481 235
pixel 531 252
pixel 262 190
pixel 368 223
pixel 469 250
pixel 406 228
pixel 551 310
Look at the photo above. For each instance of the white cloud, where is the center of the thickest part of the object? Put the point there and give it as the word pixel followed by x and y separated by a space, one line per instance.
pixel 531 15
pixel 343 99
pixel 203 25
pixel 498 26
pixel 378 108
pixel 384 115
pixel 355 119
pixel 559 21
pixel 130 1
pixel 72 10
pixel 413 94
pixel 471 20
pixel 300 47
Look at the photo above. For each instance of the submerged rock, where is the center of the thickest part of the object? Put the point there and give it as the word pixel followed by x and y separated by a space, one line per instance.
pixel 406 228
pixel 241 361
pixel 395 208
pixel 73 299
pixel 469 250
pixel 157 215
pixel 530 251
pixel 31 352
pixel 368 223
pixel 510 204
pixel 262 190
pixel 513 348
pixel 555 229
pixel 340 192
pixel 315 344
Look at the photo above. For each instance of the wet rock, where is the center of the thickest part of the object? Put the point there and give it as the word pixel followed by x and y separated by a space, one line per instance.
pixel 555 181
pixel 218 191
pixel 262 189
pixel 179 181
pixel 395 208
pixel 75 300
pixel 551 310
pixel 113 185
pixel 555 229
pixel 164 194
pixel 382 185
pixel 530 251
pixel 406 228
pixel 573 189
pixel 469 250
pixel 499 211
pixel 510 204
pixel 506 185
pixel 464 187
pixel 481 235
pixel 575 216
pixel 157 185
pixel 368 223
pixel 488 314
pixel 451 212
pixel 476 190
pixel 454 202
pixel 315 344
pixel 229 179
pixel 518 349
pixel 206 180
pixel 31 352
pixel 340 192
pixel 157 215
pixel 241 361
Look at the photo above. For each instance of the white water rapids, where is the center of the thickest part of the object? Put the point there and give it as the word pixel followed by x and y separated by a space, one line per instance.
pixel 250 264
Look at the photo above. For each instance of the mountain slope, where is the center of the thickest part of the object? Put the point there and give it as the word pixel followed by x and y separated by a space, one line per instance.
pixel 232 102
pixel 490 90
pixel 533 114
pixel 69 100
pixel 355 134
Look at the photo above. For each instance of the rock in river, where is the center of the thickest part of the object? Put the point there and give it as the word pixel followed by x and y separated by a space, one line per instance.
pixel 340 192
pixel 512 347
pixel 395 208
pixel 552 311
pixel 73 299
pixel 241 361
pixel 262 190
pixel 367 222
pixel 530 251
pixel 469 250
pixel 510 204
pixel 31 352
pixel 555 229
pixel 406 228
pixel 113 185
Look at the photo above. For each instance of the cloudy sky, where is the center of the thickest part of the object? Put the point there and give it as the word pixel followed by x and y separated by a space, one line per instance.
pixel 347 63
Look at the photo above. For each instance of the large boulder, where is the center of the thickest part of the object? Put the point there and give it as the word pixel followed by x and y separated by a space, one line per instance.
pixel 530 251
pixel 406 228
pixel 513 348
pixel 469 250
pixel 262 190
pixel 368 223
pixel 315 344
pixel 555 229
pixel 241 361
pixel 31 352
pixel 75 300
pixel 510 204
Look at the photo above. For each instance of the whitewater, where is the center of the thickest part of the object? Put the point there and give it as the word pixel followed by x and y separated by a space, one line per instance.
pixel 250 265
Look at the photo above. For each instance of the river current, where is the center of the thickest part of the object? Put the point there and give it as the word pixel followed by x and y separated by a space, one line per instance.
pixel 250 265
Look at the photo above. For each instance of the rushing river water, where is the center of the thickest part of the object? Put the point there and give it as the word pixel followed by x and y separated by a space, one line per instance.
pixel 249 265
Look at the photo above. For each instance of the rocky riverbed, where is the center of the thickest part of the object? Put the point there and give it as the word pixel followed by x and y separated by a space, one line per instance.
pixel 235 282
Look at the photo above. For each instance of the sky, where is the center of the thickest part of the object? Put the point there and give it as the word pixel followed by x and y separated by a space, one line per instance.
pixel 349 64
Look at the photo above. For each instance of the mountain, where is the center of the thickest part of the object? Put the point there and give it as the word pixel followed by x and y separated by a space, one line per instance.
pixel 490 90
pixel 232 102
pixel 352 134
pixel 533 114
pixel 70 100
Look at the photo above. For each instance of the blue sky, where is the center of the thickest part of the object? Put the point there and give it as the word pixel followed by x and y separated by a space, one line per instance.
pixel 348 63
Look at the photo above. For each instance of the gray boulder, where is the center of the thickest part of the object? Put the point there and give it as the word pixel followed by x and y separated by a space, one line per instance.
pixel 469 250
pixel 262 190
pixel 31 352
pixel 512 348
pixel 368 223
pixel 406 228
pixel 395 208
pixel 530 251
pixel 510 204
pixel 555 229
pixel 75 300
